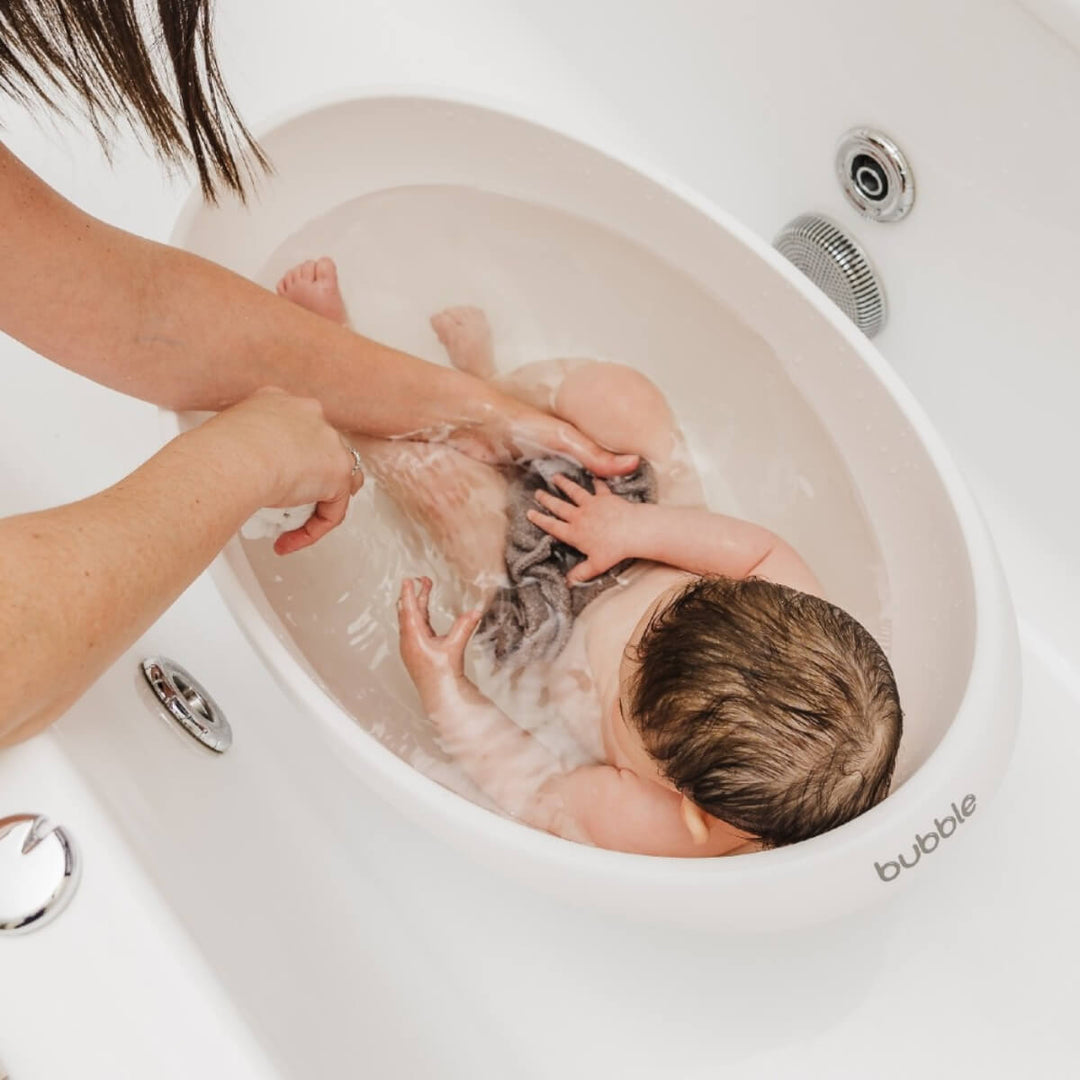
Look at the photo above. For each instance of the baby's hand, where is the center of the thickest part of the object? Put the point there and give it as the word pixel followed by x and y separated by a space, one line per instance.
pixel 599 525
pixel 436 664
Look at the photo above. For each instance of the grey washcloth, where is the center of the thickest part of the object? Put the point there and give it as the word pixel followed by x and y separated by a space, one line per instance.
pixel 531 618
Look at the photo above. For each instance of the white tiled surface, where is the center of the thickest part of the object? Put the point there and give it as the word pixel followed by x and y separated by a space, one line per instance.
pixel 972 973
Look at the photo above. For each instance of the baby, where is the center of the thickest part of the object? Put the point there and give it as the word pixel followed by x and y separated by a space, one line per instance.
pixel 735 709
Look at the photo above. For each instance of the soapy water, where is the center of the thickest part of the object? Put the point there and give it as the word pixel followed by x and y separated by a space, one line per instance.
pixel 551 286
pixel 342 604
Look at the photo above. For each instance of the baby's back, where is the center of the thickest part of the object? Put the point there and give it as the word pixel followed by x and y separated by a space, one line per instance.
pixel 603 630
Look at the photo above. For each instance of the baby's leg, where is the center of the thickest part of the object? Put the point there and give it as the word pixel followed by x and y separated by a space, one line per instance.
pixel 460 502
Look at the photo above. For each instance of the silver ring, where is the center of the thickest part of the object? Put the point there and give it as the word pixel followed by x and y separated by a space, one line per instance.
pixel 358 461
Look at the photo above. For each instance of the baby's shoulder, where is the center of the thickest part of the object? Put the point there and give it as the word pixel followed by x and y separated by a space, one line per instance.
pixel 619 810
pixel 616 612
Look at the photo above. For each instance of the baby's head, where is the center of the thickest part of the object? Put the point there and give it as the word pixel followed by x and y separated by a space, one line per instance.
pixel 770 709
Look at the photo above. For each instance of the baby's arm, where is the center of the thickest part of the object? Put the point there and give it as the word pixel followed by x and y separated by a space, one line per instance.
pixel 504 761
pixel 607 529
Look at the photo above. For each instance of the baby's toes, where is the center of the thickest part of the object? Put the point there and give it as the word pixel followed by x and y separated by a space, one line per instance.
pixel 442 325
pixel 325 272
pixel 468 318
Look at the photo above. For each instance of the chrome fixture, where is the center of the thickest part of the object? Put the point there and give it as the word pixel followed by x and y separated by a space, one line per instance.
pixel 875 175
pixel 834 262
pixel 49 884
pixel 188 703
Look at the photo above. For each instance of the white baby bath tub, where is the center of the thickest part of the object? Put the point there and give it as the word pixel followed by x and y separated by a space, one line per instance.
pixel 794 416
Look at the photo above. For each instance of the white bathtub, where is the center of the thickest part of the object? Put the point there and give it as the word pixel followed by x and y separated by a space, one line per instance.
pixel 800 423
pixel 263 914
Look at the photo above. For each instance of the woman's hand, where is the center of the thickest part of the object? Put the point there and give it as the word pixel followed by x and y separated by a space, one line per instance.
pixel 435 664
pixel 515 431
pixel 538 433
pixel 302 458
pixel 600 526
pixel 81 582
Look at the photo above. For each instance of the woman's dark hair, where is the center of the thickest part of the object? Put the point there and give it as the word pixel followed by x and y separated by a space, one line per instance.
pixel 151 64
pixel 771 709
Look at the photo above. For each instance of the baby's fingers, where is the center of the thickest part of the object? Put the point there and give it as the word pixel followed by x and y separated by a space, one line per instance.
pixel 423 596
pixel 412 619
pixel 559 507
pixel 551 525
pixel 464 625
pixel 575 492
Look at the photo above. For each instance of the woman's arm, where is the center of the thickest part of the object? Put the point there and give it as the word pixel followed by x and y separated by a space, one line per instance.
pixel 608 529
pixel 168 327
pixel 79 583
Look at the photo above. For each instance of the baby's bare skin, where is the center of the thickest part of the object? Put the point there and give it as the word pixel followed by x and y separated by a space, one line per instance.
pixel 620 799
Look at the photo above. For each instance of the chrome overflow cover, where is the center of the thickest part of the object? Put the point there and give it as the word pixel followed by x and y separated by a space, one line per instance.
pixel 875 175
pixel 187 702
pixel 38 875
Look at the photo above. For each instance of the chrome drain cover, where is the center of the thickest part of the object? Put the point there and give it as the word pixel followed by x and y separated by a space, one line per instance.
pixel 39 874
pixel 187 703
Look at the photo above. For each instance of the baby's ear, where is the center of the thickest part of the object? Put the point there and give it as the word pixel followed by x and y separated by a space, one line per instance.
pixel 695 821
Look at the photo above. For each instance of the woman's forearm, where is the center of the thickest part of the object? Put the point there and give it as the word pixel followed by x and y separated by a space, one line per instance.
pixel 80 582
pixel 166 326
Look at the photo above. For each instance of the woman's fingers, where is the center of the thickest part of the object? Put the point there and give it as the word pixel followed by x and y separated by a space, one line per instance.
pixel 292 541
pixel 327 515
pixel 551 525
pixel 303 459
pixel 584 571
pixel 594 457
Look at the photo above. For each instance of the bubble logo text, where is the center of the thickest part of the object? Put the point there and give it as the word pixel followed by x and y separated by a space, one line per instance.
pixel 927 842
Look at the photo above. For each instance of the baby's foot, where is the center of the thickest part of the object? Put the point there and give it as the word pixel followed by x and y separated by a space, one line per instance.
pixel 314 285
pixel 466 336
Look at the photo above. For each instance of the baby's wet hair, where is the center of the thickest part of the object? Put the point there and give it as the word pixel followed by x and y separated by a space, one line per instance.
pixel 769 708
